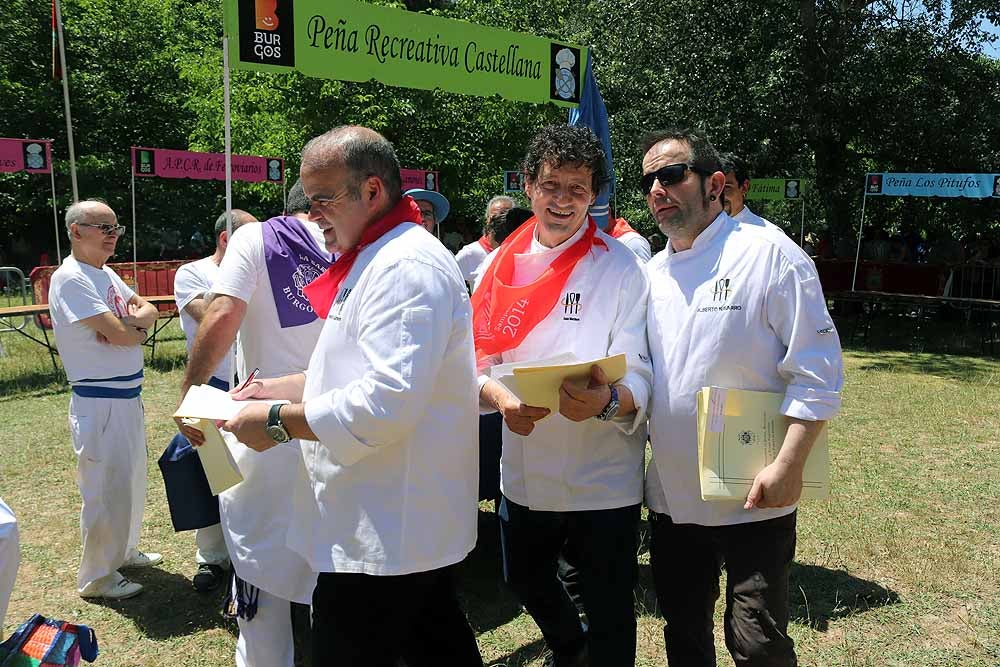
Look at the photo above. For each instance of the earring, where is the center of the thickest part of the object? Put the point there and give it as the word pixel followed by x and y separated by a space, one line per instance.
pixel 712 198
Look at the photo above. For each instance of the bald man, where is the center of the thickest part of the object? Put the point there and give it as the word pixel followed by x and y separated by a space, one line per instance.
pixel 386 417
pixel 100 325
pixel 258 294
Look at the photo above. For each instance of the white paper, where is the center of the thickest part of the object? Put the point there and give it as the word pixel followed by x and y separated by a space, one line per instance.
pixel 206 402
pixel 716 410
pixel 203 405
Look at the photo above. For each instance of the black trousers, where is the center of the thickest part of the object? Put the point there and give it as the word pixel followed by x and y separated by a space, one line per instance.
pixel 687 561
pixel 360 620
pixel 601 545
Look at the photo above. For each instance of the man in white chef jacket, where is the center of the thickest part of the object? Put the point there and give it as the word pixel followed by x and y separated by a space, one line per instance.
pixel 386 502
pixel 258 293
pixel 471 256
pixel 735 193
pixel 571 480
pixel 735 306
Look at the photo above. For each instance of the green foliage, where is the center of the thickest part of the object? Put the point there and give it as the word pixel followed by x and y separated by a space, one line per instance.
pixel 822 90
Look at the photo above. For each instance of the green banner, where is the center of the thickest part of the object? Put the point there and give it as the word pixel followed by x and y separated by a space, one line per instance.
pixel 777 188
pixel 354 41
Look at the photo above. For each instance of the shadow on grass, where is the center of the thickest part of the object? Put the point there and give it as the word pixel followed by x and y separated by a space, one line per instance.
pixel 521 656
pixel 819 595
pixel 166 360
pixel 32 383
pixel 487 601
pixel 952 367
pixel 155 611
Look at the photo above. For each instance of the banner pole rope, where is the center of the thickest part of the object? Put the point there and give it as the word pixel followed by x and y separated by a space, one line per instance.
pixel 65 87
pixel 857 256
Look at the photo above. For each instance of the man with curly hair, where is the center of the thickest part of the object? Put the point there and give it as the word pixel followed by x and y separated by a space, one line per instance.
pixel 571 482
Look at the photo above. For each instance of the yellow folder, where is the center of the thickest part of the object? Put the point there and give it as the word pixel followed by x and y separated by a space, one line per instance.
pixel 538 385
pixel 739 433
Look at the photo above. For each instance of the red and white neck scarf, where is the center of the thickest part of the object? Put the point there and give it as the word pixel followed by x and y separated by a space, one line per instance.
pixel 620 229
pixel 322 291
pixel 502 314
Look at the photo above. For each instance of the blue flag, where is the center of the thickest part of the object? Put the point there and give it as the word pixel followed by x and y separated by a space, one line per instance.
pixel 593 114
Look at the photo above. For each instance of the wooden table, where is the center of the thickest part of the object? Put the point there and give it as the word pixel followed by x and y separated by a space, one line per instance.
pixel 9 314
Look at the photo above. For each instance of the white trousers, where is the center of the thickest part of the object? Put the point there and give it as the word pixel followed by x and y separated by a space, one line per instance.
pixel 211 545
pixel 266 640
pixel 109 439
pixel 10 558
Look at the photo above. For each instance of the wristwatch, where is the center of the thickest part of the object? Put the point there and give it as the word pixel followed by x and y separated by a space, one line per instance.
pixel 610 410
pixel 275 427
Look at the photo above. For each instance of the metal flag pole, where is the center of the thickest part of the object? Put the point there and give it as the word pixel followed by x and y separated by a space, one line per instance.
pixel 228 137
pixel 802 232
pixel 857 256
pixel 55 213
pixel 135 240
pixel 227 121
pixel 69 117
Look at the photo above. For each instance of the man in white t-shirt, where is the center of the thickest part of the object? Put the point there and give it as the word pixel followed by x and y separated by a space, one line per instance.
pixel 99 325
pixel 258 293
pixel 386 503
pixel 572 481
pixel 192 283
pixel 471 256
pixel 735 306
pixel 735 193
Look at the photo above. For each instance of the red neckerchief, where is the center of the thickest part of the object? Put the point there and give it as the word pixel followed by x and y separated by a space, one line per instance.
pixel 322 291
pixel 620 229
pixel 485 242
pixel 502 315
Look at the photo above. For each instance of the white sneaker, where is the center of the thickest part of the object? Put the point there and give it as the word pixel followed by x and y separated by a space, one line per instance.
pixel 122 589
pixel 140 559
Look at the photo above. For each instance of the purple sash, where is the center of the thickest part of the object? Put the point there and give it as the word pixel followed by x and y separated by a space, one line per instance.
pixel 293 260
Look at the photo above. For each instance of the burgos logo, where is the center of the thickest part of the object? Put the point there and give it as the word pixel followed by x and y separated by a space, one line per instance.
pixel 265 18
pixel 267 32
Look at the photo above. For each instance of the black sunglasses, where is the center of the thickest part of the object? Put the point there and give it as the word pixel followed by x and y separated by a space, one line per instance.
pixel 671 174
pixel 107 230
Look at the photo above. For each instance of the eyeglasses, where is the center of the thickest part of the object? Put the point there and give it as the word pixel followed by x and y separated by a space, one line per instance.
pixel 107 230
pixel 671 174
pixel 428 214
pixel 327 202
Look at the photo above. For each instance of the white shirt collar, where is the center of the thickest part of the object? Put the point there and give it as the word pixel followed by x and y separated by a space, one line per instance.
pixel 705 237
pixel 537 247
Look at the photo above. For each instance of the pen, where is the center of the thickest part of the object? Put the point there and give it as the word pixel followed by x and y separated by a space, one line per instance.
pixel 250 378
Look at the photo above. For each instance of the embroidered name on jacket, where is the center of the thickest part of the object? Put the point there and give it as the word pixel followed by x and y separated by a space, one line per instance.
pixel 721 291
pixel 571 306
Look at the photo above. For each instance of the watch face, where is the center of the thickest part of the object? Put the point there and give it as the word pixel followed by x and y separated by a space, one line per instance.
pixel 277 434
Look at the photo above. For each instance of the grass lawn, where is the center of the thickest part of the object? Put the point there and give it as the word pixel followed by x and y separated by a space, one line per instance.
pixel 901 567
